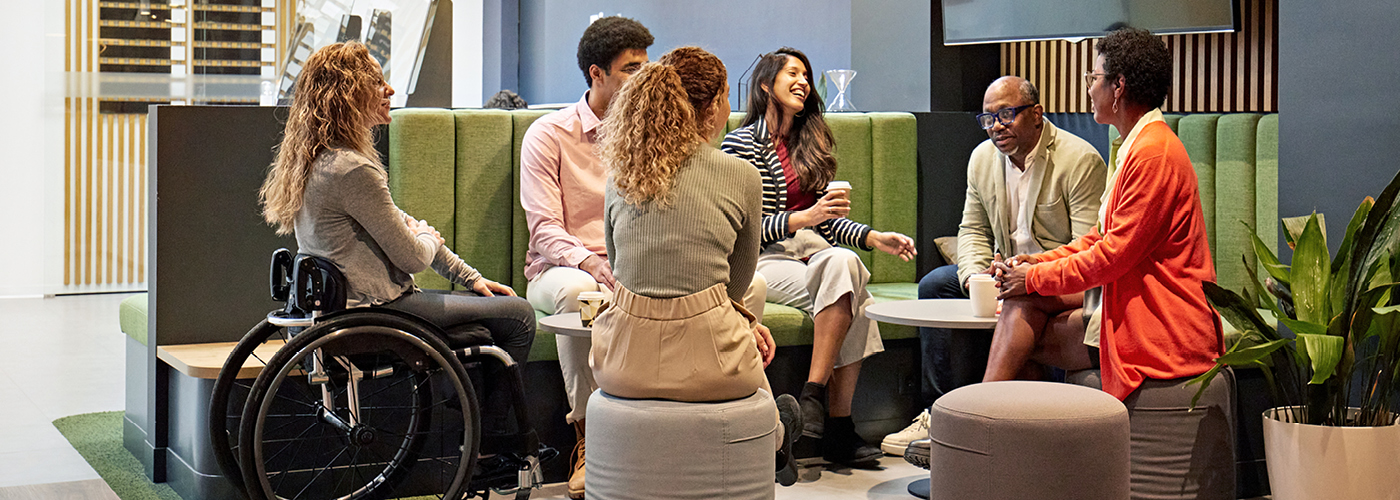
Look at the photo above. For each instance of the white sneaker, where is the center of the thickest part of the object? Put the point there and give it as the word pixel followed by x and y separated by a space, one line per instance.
pixel 896 443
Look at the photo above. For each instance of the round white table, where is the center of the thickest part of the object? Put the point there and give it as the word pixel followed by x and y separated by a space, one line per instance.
pixel 565 324
pixel 932 313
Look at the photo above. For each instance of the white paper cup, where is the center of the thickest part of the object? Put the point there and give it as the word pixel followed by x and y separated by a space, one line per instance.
pixel 589 303
pixel 843 187
pixel 982 288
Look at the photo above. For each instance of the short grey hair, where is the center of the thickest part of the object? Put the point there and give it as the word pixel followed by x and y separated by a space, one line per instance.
pixel 1029 92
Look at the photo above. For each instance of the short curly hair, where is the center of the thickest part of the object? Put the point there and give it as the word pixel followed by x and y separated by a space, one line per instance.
pixel 606 38
pixel 1144 62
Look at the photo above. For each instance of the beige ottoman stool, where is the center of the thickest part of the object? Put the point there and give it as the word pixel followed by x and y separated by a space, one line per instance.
pixel 1027 440
pixel 651 449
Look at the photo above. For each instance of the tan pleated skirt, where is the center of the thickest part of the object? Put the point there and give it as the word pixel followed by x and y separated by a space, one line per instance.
pixel 698 347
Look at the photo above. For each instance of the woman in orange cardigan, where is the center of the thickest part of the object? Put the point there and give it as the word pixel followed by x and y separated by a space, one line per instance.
pixel 1149 252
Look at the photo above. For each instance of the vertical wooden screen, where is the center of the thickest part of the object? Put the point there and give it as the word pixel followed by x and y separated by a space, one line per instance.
pixel 1213 73
pixel 104 155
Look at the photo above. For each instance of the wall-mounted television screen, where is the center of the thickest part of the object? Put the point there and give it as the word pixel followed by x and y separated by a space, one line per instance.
pixel 987 21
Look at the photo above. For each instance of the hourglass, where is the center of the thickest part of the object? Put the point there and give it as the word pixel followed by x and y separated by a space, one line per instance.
pixel 842 79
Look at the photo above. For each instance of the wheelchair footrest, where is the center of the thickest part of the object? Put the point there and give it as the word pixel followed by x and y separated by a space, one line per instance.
pixel 503 473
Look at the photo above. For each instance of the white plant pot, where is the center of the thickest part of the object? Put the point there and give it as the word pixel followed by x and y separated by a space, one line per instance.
pixel 1312 462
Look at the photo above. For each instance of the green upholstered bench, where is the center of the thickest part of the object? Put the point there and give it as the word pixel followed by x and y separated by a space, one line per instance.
pixel 1236 160
pixel 460 170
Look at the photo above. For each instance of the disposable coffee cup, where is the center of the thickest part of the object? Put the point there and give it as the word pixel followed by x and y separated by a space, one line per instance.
pixel 982 288
pixel 589 303
pixel 842 188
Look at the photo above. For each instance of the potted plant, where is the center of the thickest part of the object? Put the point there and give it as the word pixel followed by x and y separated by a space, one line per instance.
pixel 1334 367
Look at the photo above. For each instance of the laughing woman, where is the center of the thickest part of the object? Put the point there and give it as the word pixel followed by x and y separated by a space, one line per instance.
pixel 786 138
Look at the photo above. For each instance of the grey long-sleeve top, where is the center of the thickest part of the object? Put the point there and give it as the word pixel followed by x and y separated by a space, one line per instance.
pixel 708 235
pixel 348 217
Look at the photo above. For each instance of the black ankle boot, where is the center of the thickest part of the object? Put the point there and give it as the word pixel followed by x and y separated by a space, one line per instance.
pixel 813 401
pixel 843 446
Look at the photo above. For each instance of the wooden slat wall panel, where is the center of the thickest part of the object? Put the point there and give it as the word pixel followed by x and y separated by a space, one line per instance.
pixel 1212 73
pixel 104 157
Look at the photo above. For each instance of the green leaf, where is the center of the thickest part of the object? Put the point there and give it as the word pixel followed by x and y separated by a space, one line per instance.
pixel 1250 355
pixel 1368 308
pixel 1324 352
pixel 1375 233
pixel 1203 379
pixel 1261 293
pixel 1293 227
pixel 1311 263
pixel 1357 219
pixel 1280 272
pixel 1303 326
pixel 1387 326
pixel 1237 310
pixel 1261 250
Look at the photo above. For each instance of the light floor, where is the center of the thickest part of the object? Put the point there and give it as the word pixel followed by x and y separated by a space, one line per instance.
pixel 65 355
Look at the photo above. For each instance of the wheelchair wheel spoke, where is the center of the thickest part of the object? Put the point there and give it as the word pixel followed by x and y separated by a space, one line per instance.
pixel 390 386
pixel 318 474
pixel 297 439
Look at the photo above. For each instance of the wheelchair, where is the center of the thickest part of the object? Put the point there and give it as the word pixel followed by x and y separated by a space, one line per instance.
pixel 366 402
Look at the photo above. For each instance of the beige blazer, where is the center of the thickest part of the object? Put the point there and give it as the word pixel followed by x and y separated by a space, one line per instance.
pixel 1067 188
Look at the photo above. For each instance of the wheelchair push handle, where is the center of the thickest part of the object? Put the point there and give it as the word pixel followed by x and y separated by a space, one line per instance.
pixel 280 273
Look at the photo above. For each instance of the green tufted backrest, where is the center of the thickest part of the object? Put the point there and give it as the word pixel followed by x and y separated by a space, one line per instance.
pixel 1235 156
pixel 460 170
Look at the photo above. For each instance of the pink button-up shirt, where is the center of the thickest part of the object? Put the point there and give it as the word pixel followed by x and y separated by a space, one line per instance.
pixel 561 189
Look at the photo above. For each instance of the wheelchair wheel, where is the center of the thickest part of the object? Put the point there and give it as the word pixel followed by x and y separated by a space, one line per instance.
pixel 416 431
pixel 230 394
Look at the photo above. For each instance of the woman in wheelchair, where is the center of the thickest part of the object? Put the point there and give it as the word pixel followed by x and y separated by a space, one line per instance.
pixel 370 402
pixel 329 187
pixel 681 224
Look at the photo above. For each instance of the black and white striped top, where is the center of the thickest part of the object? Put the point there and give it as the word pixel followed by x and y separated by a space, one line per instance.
pixel 752 144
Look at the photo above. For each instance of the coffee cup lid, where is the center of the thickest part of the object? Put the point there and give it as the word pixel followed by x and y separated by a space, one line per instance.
pixel 838 185
pixel 590 295
pixel 981 277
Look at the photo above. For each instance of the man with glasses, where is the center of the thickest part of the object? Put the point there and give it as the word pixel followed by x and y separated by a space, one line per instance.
pixel 1031 187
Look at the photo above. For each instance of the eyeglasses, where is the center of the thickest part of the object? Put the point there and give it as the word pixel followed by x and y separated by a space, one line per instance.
pixel 1090 76
pixel 1004 115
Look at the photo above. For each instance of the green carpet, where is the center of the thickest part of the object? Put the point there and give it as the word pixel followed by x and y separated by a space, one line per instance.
pixel 98 438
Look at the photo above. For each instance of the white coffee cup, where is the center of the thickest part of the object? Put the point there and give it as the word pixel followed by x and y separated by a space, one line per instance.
pixel 982 288
pixel 589 303
pixel 843 187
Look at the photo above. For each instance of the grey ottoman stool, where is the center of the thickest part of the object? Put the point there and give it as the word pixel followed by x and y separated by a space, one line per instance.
pixel 649 449
pixel 1179 453
pixel 1027 440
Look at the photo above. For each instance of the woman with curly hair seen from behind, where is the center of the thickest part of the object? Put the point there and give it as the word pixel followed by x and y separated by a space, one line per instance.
pixel 328 186
pixel 1150 255
pixel 681 224
pixel 785 137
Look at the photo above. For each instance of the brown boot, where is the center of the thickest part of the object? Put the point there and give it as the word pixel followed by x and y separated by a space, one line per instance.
pixel 576 468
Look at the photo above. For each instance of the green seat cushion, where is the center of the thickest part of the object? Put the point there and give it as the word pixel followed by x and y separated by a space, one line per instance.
pixel 133 317
pixel 790 326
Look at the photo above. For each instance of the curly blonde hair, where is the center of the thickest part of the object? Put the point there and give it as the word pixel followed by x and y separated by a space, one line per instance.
pixel 330 108
pixel 657 120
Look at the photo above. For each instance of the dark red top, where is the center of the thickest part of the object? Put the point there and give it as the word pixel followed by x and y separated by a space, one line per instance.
pixel 797 199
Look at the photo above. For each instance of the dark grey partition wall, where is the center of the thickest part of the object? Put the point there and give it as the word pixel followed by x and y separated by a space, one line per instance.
pixel 209 249
pixel 209 245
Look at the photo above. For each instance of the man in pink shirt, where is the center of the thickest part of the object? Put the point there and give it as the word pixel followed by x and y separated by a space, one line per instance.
pixel 561 189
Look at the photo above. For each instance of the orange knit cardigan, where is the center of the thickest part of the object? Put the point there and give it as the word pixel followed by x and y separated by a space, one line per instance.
pixel 1150 260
